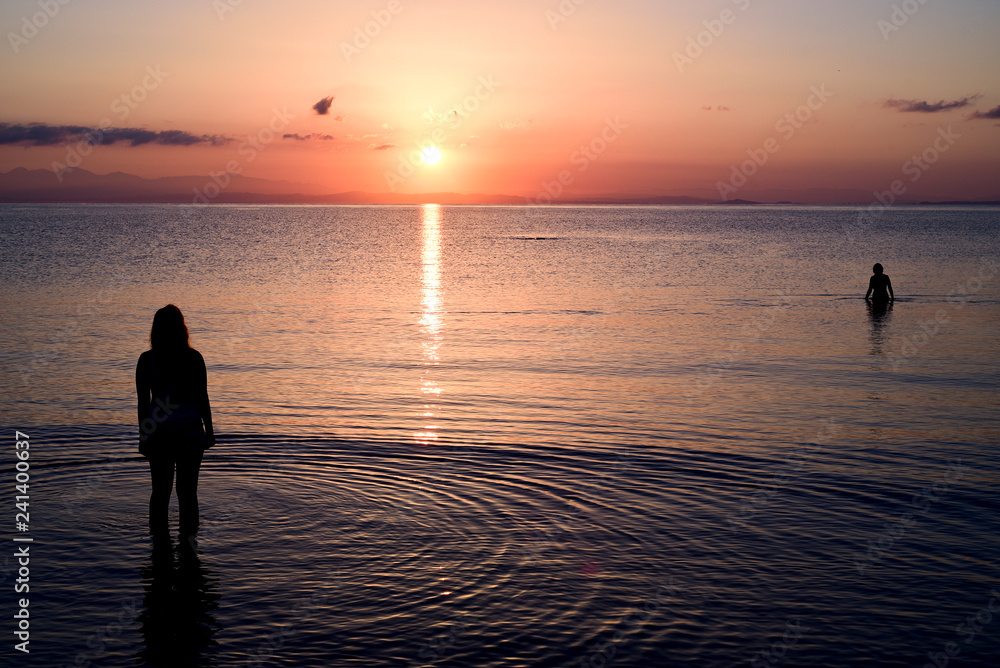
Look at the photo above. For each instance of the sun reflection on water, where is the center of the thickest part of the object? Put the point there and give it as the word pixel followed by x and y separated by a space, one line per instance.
pixel 431 321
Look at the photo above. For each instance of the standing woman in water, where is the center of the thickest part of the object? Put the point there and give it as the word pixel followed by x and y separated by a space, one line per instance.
pixel 879 286
pixel 175 419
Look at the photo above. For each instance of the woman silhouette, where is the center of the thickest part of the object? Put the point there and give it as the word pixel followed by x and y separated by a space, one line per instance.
pixel 879 286
pixel 175 419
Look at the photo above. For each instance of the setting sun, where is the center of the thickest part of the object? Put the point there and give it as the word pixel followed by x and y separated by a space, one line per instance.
pixel 431 155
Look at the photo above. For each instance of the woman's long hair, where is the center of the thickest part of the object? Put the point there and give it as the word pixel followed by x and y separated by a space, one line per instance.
pixel 169 333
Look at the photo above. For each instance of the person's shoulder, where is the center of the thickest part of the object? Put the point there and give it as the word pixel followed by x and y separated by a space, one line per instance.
pixel 196 355
pixel 142 365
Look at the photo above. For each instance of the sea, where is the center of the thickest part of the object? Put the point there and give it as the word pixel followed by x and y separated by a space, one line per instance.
pixel 509 436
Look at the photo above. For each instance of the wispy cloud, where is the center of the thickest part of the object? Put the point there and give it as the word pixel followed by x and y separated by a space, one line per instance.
pixel 381 147
pixel 313 136
pixel 925 107
pixel 514 125
pixel 447 119
pixel 323 106
pixel 42 134
pixel 993 113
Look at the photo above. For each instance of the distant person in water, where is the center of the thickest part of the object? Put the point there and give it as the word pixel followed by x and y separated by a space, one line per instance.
pixel 879 287
pixel 175 419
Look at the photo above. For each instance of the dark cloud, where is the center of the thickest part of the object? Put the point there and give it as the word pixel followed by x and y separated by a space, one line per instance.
pixel 381 147
pixel 41 134
pixel 323 106
pixel 297 137
pixel 36 134
pixel 925 107
pixel 993 113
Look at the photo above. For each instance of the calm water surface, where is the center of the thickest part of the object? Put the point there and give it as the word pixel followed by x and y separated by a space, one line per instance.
pixel 514 436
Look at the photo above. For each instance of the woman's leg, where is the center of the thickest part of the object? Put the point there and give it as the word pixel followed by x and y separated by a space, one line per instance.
pixel 161 470
pixel 188 466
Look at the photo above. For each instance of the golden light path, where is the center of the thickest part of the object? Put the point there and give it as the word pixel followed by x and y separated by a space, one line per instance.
pixel 431 319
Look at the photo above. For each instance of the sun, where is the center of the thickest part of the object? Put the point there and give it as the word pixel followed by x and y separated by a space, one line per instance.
pixel 431 155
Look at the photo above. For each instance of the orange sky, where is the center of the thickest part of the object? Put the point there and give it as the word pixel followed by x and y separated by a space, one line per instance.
pixel 609 97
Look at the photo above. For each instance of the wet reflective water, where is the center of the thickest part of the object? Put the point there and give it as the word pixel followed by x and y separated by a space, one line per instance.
pixel 501 436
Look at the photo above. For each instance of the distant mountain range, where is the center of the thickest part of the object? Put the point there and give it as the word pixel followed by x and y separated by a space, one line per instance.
pixel 80 185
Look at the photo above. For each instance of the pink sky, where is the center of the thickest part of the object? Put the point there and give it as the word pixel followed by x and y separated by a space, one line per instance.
pixel 516 95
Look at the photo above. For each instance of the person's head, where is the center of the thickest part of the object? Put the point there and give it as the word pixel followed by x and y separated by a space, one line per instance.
pixel 877 268
pixel 169 331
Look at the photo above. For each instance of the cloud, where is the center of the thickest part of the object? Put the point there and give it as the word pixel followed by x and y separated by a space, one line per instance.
pixel 448 119
pixel 42 134
pixel 993 113
pixel 166 137
pixel 323 106
pixel 709 107
pixel 432 116
pixel 315 135
pixel 925 107
pixel 514 125
pixel 381 147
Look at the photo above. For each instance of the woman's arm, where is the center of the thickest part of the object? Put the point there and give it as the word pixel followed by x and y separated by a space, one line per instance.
pixel 204 407
pixel 871 286
pixel 142 390
pixel 888 284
